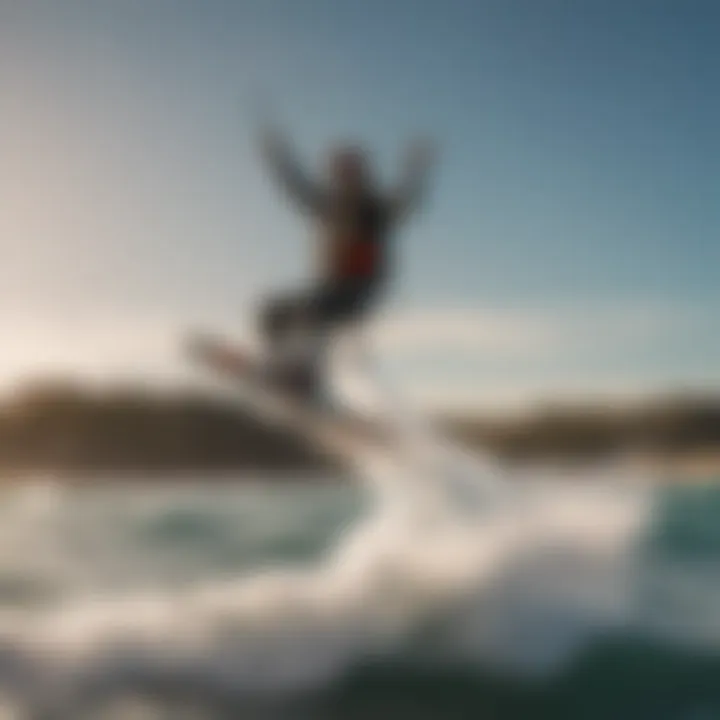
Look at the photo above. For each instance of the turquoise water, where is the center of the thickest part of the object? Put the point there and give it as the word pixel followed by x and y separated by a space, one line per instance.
pixel 322 600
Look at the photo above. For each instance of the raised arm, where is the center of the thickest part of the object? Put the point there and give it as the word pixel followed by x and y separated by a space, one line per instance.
pixel 411 191
pixel 287 170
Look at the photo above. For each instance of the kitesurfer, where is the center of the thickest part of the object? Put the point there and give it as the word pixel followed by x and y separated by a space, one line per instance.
pixel 355 222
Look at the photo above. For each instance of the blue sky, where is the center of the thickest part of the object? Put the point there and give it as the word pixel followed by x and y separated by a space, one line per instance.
pixel 570 243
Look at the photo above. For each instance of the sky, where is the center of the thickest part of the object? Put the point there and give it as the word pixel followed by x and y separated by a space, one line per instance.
pixel 569 244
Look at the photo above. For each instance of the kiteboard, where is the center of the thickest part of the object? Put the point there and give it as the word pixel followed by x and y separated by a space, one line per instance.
pixel 334 428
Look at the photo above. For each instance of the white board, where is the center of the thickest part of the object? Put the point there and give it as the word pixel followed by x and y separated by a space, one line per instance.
pixel 335 429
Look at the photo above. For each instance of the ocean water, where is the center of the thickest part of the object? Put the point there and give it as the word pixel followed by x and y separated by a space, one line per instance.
pixel 396 595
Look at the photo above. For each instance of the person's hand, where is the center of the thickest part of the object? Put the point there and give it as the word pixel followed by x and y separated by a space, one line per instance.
pixel 421 153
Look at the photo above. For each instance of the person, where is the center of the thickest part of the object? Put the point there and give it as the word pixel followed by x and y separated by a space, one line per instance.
pixel 355 222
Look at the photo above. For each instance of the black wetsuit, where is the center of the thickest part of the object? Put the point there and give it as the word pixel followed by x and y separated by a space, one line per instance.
pixel 356 263
pixel 356 231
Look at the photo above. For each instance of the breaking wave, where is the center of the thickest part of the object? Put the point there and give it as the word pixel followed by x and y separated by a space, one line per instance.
pixel 466 570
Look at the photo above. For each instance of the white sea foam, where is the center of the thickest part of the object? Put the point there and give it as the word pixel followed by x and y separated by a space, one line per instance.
pixel 453 563
pixel 521 585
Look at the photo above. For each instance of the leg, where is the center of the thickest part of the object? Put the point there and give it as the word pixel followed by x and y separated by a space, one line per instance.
pixel 290 329
pixel 337 308
pixel 298 328
pixel 277 318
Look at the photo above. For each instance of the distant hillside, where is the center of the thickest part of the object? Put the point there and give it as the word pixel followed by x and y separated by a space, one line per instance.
pixel 662 427
pixel 62 427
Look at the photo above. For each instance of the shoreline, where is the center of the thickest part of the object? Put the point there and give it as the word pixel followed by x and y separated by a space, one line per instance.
pixel 196 476
pixel 680 468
